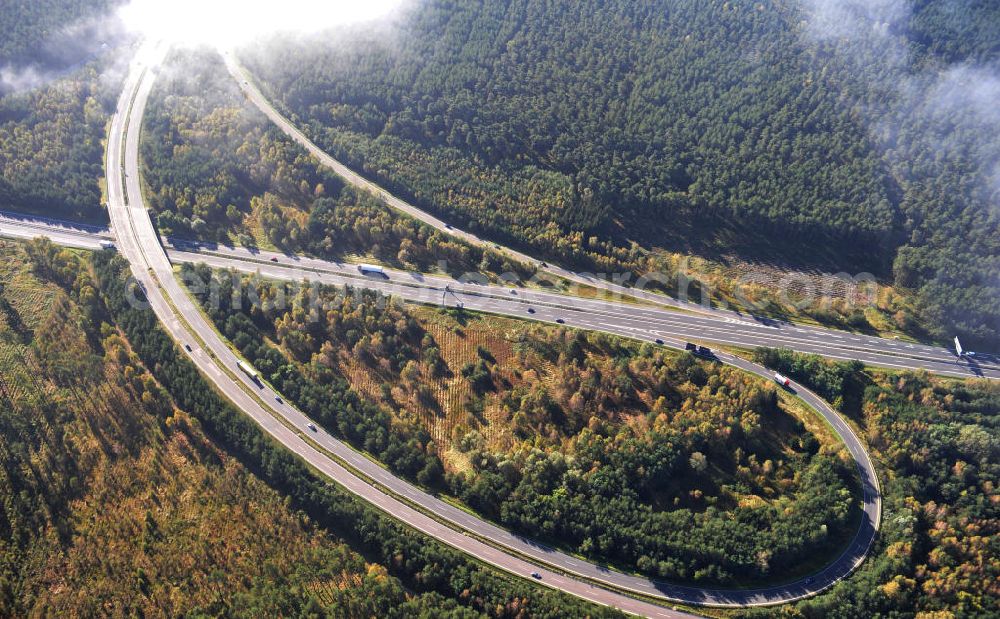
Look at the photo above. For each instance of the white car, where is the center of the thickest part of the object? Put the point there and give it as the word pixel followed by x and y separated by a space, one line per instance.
pixel 311 426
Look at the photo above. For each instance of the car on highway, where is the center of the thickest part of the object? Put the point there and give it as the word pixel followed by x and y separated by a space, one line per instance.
pixel 273 259
pixel 311 426
pixel 782 380
pixel 278 399
pixel 531 310
pixel 187 347
pixel 659 341
pixel 704 351
pixel 448 226
pixel 560 321
pixel 690 347
pixel 536 575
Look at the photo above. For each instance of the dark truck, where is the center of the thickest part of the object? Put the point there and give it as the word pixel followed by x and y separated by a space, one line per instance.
pixel 701 351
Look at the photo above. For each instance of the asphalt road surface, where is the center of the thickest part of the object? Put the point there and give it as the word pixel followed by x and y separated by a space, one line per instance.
pixel 80 236
pixel 647 323
pixel 138 242
pixel 633 320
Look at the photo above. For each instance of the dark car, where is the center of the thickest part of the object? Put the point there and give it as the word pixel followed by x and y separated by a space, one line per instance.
pixel 560 321
pixel 273 259
pixel 690 346
pixel 531 310
pixel 536 575
pixel 659 341
pixel 187 347
pixel 448 226
pixel 704 351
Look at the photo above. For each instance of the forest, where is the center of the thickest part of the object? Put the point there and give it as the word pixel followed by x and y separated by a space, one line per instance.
pixel 604 134
pixel 52 118
pixel 116 500
pixel 51 147
pixel 655 462
pixel 936 447
pixel 217 170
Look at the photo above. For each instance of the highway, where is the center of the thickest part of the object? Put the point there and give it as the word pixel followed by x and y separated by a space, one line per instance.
pixel 152 265
pixel 647 323
pixel 138 242
pixel 68 234
pixel 637 321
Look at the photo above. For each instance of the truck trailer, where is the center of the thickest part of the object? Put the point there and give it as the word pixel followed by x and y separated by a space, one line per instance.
pixel 371 269
pixel 249 371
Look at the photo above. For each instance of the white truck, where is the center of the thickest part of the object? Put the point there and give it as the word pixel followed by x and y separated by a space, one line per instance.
pixel 782 380
pixel 249 371
pixel 371 269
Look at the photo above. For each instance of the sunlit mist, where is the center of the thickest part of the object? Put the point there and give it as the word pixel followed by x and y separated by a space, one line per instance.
pixel 229 23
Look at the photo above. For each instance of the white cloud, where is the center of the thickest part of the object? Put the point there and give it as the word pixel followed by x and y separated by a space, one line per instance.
pixel 18 79
pixel 848 19
pixel 951 109
pixel 229 23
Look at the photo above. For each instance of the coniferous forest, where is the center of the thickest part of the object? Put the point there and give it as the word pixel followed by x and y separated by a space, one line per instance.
pixel 58 87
